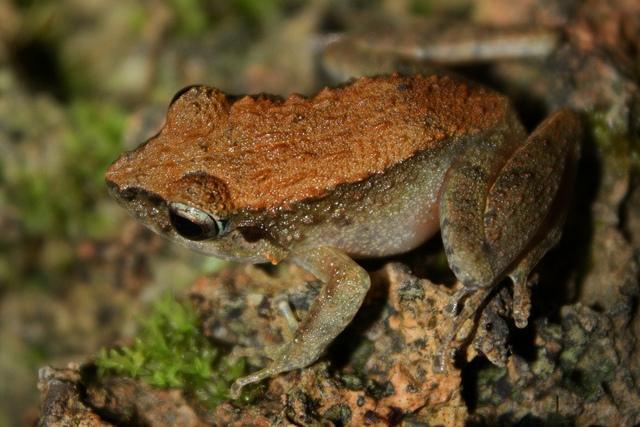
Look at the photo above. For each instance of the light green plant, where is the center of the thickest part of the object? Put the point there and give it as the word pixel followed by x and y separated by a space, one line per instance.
pixel 170 351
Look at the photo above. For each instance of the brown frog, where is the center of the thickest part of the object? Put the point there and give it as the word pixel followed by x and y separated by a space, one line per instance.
pixel 369 169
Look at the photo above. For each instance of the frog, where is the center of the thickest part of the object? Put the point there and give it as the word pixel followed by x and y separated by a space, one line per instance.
pixel 371 168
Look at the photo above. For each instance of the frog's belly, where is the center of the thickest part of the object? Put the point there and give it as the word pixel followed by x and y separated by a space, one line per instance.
pixel 399 229
pixel 397 211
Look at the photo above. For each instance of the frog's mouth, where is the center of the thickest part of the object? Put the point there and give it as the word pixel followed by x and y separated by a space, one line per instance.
pixel 147 207
pixel 176 221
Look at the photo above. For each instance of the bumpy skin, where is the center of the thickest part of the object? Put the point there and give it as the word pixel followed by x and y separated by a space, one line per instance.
pixel 369 169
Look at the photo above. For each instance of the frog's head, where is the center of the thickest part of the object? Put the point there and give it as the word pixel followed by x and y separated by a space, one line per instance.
pixel 169 184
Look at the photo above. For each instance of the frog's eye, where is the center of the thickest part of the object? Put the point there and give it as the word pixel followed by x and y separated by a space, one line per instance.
pixel 194 224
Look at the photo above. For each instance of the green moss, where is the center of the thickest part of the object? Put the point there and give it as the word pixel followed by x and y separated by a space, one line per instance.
pixel 61 201
pixel 259 12
pixel 339 414
pixel 488 383
pixel 613 140
pixel 351 382
pixel 190 15
pixel 590 377
pixel 194 17
pixel 617 146
pixel 543 365
pixel 170 351
pixel 575 342
pixel 361 354
pixel 379 390
pixel 95 143
pixel 431 7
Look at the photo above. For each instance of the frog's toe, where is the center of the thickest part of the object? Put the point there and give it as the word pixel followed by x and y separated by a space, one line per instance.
pixel 455 302
pixel 240 383
pixel 521 308
pixel 287 313
pixel 443 358
pixel 240 352
pixel 471 300
pixel 271 352
pixel 284 358
pixel 521 304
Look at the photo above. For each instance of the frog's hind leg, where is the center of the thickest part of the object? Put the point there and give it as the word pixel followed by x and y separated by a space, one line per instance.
pixel 563 129
pixel 500 209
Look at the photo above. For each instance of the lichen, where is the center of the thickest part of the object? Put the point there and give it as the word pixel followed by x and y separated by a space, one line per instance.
pixel 489 380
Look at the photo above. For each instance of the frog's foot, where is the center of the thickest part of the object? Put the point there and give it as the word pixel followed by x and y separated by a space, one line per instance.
pixel 271 351
pixel 279 363
pixel 462 325
pixel 282 304
pixel 345 286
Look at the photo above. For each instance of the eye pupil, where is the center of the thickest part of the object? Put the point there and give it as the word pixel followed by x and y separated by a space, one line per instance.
pixel 191 224
pixel 187 228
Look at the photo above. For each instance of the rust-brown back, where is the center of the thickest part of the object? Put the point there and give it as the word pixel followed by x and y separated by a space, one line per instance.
pixel 265 152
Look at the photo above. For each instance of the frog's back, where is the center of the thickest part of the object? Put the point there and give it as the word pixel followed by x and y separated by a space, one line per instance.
pixel 267 152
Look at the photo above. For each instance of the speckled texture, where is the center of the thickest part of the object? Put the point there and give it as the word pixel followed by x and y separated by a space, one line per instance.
pixel 389 378
pixel 68 298
pixel 269 153
pixel 395 159
pixel 577 371
pixel 387 214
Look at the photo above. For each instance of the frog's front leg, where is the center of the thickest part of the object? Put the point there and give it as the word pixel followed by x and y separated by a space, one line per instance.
pixel 502 208
pixel 345 286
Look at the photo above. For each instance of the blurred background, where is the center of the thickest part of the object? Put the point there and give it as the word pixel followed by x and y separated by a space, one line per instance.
pixel 83 80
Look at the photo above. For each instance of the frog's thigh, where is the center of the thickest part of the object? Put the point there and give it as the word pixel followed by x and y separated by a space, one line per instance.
pixel 493 223
pixel 522 204
pixel 345 286
pixel 489 220
pixel 462 209
pixel 527 204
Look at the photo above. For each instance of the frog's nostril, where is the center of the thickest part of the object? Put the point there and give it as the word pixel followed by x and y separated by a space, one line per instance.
pixel 128 194
pixel 112 187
